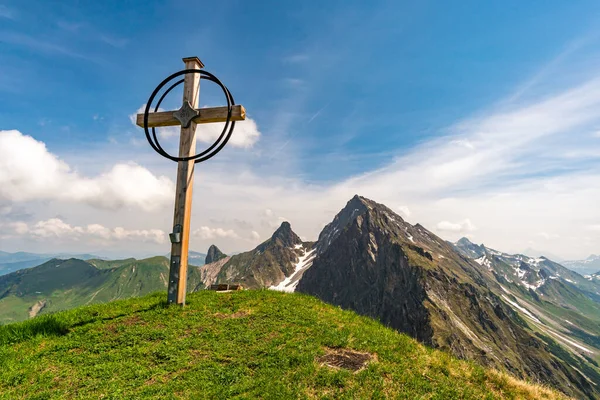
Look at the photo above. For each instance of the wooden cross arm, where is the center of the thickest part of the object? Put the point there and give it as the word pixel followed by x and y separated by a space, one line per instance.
pixel 213 114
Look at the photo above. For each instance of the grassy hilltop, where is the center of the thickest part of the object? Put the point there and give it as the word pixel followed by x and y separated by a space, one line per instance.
pixel 246 344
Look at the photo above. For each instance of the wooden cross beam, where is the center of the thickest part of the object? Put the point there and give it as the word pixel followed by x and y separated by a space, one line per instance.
pixel 180 238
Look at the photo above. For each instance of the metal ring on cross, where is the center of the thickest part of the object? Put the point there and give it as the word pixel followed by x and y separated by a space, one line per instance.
pixel 223 137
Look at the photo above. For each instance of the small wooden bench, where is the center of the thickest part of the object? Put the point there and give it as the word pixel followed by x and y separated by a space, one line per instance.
pixel 225 287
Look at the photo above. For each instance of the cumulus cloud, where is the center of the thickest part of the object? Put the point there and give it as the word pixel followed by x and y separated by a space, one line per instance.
pixel 205 232
pixel 56 228
pixel 28 171
pixel 460 227
pixel 245 134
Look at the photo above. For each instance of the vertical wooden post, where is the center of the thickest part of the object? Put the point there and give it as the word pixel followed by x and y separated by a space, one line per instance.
pixel 183 196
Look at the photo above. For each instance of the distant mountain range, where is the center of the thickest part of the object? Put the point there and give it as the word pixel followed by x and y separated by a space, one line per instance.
pixel 10 262
pixel 194 258
pixel 526 315
pixel 589 266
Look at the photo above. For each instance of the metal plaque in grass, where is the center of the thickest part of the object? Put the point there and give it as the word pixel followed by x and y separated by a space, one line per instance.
pixel 347 359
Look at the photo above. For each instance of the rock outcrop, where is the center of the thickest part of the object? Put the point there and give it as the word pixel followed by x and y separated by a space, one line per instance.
pixel 213 254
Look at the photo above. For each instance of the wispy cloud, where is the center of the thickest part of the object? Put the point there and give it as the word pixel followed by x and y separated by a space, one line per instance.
pixel 92 33
pixel 6 12
pixel 70 26
pixel 114 41
pixel 46 47
pixel 548 68
pixel 315 115
pixel 296 58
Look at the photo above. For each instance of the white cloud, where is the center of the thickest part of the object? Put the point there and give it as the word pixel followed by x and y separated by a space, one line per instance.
pixel 296 58
pixel 254 235
pixel 245 134
pixel 28 171
pixel 460 227
pixel 548 236
pixel 205 232
pixel 18 227
pixel 404 211
pixel 56 228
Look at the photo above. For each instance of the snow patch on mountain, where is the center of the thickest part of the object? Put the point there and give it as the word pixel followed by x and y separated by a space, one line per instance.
pixel 522 309
pixel 304 262
pixel 483 260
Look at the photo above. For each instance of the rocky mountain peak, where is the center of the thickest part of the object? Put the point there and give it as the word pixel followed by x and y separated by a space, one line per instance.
pixel 470 249
pixel 285 236
pixel 356 206
pixel 214 254
pixel 464 241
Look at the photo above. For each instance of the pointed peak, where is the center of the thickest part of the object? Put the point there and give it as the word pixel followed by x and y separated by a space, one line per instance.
pixel 213 254
pixel 284 227
pixel 357 199
pixel 464 241
pixel 286 235
pixel 357 203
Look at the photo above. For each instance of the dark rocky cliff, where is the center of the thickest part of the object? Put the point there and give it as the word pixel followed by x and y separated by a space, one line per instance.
pixel 213 254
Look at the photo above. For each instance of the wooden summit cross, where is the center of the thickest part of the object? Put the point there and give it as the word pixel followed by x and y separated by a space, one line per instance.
pixel 188 116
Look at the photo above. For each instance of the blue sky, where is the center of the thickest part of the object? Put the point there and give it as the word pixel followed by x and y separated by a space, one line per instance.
pixel 342 94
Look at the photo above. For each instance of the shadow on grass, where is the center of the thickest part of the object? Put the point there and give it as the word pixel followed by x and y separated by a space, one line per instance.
pixel 57 325
pixel 46 325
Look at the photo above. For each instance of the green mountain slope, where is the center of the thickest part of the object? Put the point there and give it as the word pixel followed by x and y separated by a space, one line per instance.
pixel 250 344
pixel 62 284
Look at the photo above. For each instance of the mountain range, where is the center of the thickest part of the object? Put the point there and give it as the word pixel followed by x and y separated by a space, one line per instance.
pixel 589 266
pixel 10 262
pixel 530 316
pixel 526 315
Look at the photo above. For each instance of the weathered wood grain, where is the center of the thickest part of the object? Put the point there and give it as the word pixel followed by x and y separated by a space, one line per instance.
pixel 207 115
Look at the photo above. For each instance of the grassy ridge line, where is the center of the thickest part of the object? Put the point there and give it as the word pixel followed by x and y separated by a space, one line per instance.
pixel 246 344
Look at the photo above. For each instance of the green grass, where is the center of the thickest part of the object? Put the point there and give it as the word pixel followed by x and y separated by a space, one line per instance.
pixel 249 344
